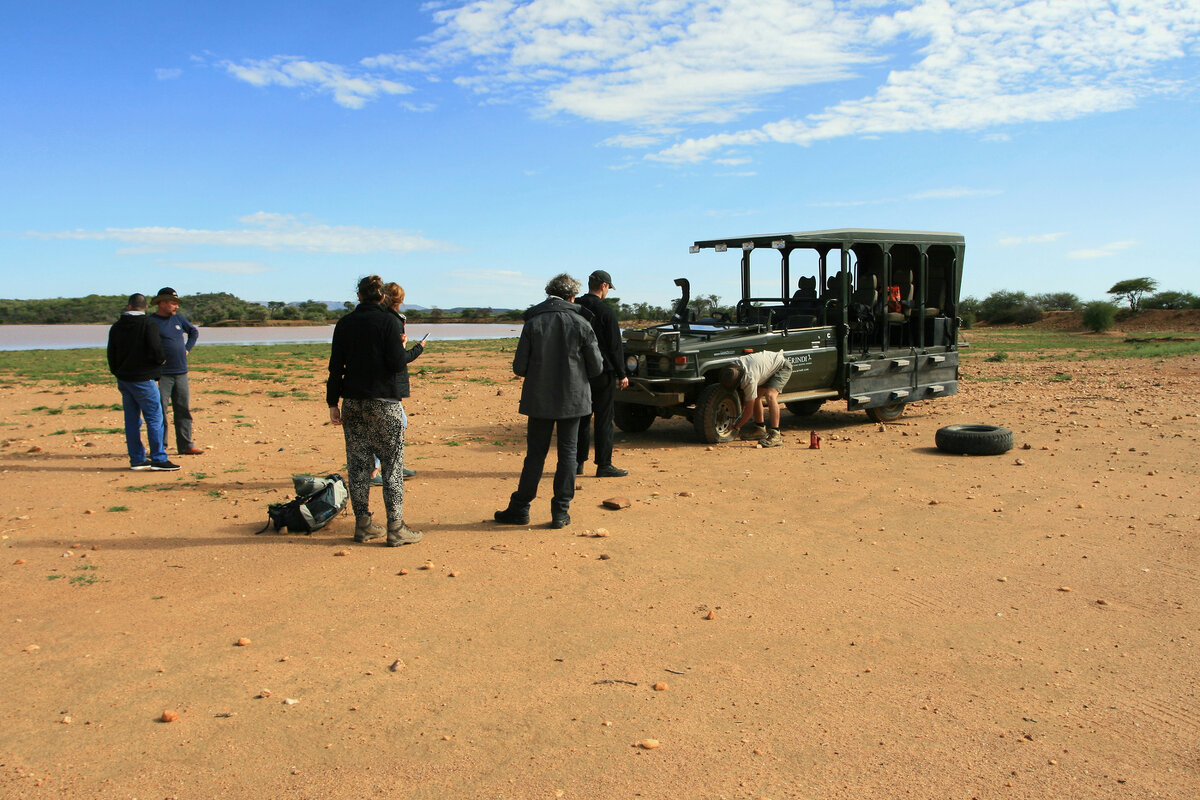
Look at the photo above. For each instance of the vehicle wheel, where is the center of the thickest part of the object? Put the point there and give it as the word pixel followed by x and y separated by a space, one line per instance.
pixel 717 410
pixel 888 413
pixel 975 440
pixel 804 408
pixel 633 417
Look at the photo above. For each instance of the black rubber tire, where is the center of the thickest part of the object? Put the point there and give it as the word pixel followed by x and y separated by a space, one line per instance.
pixel 888 413
pixel 804 408
pixel 633 417
pixel 717 409
pixel 975 440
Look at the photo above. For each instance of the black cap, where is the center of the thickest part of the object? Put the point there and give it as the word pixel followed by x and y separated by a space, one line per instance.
pixel 600 276
pixel 165 293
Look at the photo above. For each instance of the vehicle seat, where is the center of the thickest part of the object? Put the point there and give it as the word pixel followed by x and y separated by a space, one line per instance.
pixel 898 317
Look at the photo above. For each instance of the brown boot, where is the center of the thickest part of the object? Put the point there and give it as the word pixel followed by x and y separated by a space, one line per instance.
pixel 365 529
pixel 399 533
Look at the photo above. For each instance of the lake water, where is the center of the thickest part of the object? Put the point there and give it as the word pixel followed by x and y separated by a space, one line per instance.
pixel 65 337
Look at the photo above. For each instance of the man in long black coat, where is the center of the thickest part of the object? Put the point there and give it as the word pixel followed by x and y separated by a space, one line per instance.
pixel 557 356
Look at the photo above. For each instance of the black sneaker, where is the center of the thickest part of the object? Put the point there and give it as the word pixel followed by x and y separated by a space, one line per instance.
pixel 609 471
pixel 163 466
pixel 140 466
pixel 560 521
pixel 512 517
pixel 579 467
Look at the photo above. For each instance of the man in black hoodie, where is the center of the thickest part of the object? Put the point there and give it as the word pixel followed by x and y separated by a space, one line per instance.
pixel 135 356
pixel 608 336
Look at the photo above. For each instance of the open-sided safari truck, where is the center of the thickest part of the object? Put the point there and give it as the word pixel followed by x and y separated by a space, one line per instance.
pixel 865 316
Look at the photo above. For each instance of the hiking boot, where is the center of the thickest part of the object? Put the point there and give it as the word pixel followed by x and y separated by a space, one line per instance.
pixel 512 516
pixel 609 471
pixel 192 451
pixel 163 466
pixel 753 433
pixel 377 480
pixel 579 467
pixel 141 465
pixel 365 529
pixel 409 473
pixel 560 520
pixel 774 439
pixel 398 534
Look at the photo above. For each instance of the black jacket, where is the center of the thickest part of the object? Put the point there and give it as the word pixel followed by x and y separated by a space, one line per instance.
pixel 556 356
pixel 135 351
pixel 367 359
pixel 608 332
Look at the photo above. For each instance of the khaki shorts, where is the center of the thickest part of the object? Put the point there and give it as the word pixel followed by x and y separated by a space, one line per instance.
pixel 780 378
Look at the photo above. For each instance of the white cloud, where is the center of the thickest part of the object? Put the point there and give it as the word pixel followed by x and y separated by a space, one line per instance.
pixel 349 88
pixel 688 69
pixel 268 231
pixel 164 74
pixel 632 141
pixel 1037 238
pixel 223 267
pixel 1103 251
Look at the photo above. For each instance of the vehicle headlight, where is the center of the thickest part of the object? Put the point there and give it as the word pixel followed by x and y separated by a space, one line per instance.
pixel 631 365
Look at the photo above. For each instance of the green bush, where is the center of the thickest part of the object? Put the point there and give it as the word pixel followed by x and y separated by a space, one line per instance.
pixel 1099 316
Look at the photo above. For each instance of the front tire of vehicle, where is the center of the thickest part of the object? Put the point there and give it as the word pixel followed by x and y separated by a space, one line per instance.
pixel 633 417
pixel 888 413
pixel 717 409
pixel 804 408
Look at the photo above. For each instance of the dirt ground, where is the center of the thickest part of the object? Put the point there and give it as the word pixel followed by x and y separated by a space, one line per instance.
pixel 871 619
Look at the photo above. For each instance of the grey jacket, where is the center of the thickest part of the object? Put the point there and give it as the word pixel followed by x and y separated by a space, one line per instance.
pixel 556 355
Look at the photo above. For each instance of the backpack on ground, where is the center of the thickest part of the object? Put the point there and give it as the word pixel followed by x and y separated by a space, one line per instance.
pixel 318 501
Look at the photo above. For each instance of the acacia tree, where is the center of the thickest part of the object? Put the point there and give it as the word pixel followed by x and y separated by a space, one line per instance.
pixel 1131 290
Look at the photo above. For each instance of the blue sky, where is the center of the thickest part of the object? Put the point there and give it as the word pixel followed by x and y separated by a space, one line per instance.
pixel 469 151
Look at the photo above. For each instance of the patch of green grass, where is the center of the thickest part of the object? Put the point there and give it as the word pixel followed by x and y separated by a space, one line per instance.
pixel 54 577
pixel 214 493
pixel 99 430
pixel 96 406
pixel 236 469
pixel 141 488
pixel 118 508
pixel 243 425
pixel 83 567
pixel 59 432
pixel 1001 356
pixel 1062 376
pixel 51 410
pixel 498 443
pixel 453 443
pixel 199 475
pixel 450 397
pixel 85 580
pixel 1045 345
pixel 226 391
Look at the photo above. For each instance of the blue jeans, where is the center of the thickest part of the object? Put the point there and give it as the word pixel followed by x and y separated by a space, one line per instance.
pixel 140 399
pixel 174 391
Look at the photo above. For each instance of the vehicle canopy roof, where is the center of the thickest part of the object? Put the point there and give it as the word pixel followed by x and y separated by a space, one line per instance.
pixel 838 237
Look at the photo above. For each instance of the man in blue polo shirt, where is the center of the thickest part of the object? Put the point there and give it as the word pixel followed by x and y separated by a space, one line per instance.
pixel 178 338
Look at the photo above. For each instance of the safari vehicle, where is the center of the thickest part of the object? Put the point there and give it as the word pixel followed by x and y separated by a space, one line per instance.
pixel 872 321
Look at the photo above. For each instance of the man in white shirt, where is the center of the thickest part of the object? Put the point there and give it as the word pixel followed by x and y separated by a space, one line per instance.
pixel 759 377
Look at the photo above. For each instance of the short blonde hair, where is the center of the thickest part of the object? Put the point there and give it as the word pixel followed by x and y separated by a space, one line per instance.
pixel 393 293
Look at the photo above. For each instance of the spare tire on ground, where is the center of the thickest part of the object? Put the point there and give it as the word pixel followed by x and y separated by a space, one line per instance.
pixel 975 440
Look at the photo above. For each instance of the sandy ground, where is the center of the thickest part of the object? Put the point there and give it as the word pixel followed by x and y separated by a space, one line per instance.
pixel 873 619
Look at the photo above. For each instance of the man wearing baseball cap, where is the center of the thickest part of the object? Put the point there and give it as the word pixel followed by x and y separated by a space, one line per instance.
pixel 608 335
pixel 178 338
